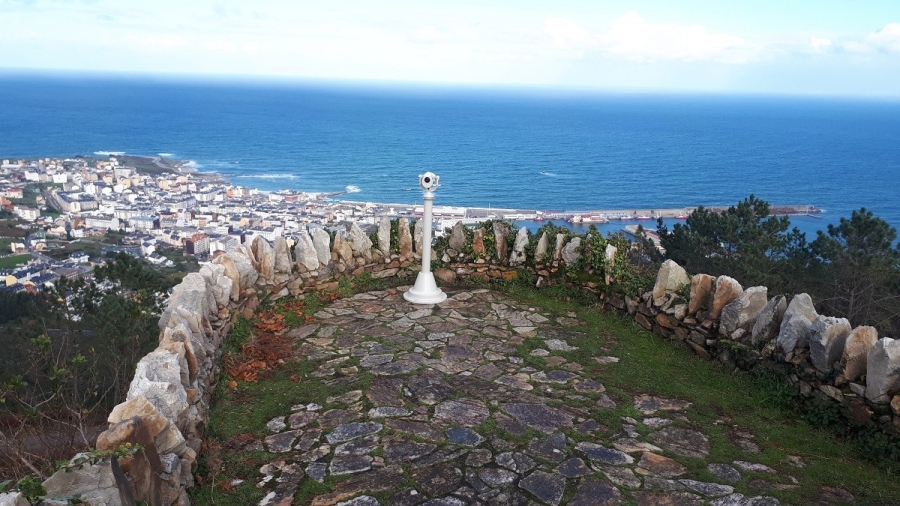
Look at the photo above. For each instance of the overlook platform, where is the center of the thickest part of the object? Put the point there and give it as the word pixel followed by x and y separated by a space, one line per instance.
pixel 483 400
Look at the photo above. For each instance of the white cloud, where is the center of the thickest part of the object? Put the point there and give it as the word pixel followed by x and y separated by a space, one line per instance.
pixel 819 44
pixel 886 40
pixel 634 38
pixel 425 34
pixel 566 34
pixel 157 42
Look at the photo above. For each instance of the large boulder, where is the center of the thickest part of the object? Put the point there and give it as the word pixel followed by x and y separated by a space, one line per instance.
pixel 826 341
pixel 856 351
pixel 322 242
pixel 571 253
pixel 543 246
pixel 518 253
pixel 670 278
pixel 384 235
pixel 232 273
pixel 701 292
pixel 305 252
pixel 741 313
pixel 796 326
pixel 727 289
pixel 457 239
pixel 360 242
pixel 883 370
pixel 769 321
pixel 139 406
pixel 404 238
pixel 501 230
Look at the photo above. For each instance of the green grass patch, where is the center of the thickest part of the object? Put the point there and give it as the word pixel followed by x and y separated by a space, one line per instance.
pixel 13 261
pixel 724 402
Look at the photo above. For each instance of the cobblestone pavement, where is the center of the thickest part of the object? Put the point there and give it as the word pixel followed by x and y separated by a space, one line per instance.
pixel 455 415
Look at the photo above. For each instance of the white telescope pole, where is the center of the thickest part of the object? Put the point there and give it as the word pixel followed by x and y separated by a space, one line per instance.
pixel 425 291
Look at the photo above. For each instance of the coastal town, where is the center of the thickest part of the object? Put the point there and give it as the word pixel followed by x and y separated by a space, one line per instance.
pixel 69 213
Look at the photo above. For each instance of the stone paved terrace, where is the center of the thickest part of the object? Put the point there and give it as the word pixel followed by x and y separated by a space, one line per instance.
pixel 456 413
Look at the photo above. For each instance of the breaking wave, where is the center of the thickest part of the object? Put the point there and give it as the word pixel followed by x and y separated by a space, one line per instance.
pixel 352 189
pixel 109 153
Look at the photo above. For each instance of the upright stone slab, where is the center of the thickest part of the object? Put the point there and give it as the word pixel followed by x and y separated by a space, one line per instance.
pixel 856 351
pixel 360 242
pixel 231 273
pixel 457 239
pixel 419 236
pixel 478 249
pixel 518 253
pixel 701 293
pixel 670 278
pixel 305 252
pixel 283 264
pixel 265 257
pixel 384 235
pixel 610 254
pixel 727 289
pixel 741 313
pixel 543 246
pixel 571 253
pixel 501 230
pixel 158 377
pixel 322 242
pixel 405 239
pixel 342 249
pixel 796 326
pixel 883 370
pixel 827 340
pixel 558 249
pixel 769 321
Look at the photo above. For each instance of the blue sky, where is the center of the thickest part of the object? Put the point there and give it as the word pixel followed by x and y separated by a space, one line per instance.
pixel 833 47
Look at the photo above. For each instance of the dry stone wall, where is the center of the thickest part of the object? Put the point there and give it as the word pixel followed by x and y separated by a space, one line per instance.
pixel 167 405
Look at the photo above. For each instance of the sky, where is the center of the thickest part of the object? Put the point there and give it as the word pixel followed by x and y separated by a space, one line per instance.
pixel 816 47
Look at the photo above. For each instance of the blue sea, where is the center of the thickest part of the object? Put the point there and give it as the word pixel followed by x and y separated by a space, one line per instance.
pixel 514 148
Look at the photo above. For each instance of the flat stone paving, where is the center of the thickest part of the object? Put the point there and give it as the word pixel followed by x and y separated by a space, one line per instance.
pixel 446 378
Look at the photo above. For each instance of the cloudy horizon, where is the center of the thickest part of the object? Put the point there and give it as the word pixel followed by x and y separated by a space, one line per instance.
pixel 833 47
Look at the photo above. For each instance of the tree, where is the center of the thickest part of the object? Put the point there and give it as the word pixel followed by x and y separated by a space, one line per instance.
pixel 857 270
pixel 743 241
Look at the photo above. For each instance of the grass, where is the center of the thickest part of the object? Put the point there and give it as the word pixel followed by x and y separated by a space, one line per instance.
pixel 12 261
pixel 723 401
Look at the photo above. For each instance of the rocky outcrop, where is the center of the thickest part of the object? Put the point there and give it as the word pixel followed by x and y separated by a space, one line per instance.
pixel 826 342
pixel 883 370
pixel 796 326
pixel 768 323
pixel 741 313
pixel 670 278
pixel 727 289
pixel 95 484
pixel 856 351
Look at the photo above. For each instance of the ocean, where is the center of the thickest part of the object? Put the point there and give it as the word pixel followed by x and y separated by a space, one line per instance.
pixel 512 148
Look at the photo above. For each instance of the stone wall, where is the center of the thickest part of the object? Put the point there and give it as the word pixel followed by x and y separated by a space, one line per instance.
pixel 167 404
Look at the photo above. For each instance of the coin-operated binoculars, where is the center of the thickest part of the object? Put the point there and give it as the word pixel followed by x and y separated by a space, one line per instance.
pixel 425 291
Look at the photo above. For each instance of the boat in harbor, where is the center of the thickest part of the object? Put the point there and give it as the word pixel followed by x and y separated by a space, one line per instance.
pixel 681 217
pixel 588 218
pixel 642 217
